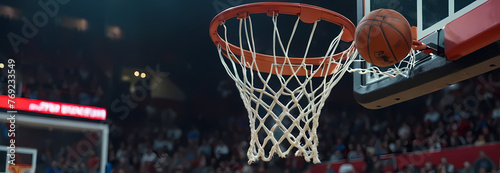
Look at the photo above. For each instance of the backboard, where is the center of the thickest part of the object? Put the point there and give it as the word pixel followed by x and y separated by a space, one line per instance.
pixel 26 159
pixel 37 135
pixel 463 34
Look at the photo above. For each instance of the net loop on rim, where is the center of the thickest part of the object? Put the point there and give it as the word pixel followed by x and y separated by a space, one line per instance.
pixel 401 68
pixel 283 95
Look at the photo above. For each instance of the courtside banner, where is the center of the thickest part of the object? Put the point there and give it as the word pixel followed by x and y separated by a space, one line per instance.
pixel 55 108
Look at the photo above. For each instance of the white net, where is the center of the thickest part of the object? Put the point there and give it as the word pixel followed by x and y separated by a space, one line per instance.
pixel 401 68
pixel 283 109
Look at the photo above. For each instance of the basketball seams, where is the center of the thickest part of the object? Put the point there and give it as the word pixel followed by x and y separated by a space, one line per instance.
pixel 359 32
pixel 398 15
pixel 368 38
pixel 401 34
pixel 392 12
pixel 369 16
pixel 392 17
pixel 401 20
pixel 387 41
pixel 383 22
pixel 379 21
pixel 368 41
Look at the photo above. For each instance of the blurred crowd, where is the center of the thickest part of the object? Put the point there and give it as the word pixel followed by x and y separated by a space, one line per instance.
pixel 464 114
pixel 210 131
pixel 63 84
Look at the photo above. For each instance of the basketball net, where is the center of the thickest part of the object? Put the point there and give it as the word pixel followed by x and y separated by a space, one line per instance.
pixel 283 109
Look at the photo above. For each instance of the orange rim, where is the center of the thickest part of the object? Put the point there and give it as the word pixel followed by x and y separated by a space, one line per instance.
pixel 307 13
pixel 18 168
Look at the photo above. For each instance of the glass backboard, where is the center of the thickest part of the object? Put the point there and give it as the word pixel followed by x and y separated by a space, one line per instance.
pixel 25 159
pixel 455 29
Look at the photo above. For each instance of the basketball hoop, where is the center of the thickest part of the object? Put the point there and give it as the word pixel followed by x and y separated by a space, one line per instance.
pixel 283 117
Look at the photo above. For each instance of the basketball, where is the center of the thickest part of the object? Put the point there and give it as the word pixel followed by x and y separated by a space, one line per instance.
pixel 383 37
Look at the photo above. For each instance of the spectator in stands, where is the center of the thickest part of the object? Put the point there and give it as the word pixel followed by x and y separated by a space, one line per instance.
pixel 495 114
pixel 480 140
pixel 464 126
pixel 54 168
pixel 193 135
pixel 93 163
pixel 469 138
pixel 340 145
pixel 142 146
pixel 174 133
pixel 160 142
pixel 354 153
pixel 481 122
pixel 329 168
pixel 75 169
pixel 147 161
pixel 489 137
pixel 445 167
pixel 433 145
pixel 404 131
pixel 346 168
pixel 177 162
pixel 205 149
pixel 483 162
pixel 378 164
pixel 411 168
pixel 221 151
pixel 396 147
pixel 432 115
pixel 336 156
pixel 467 168
pixel 428 168
pixel 121 153
pixel 200 164
pixel 378 126
pixel 161 164
pixel 380 147
pixel 370 161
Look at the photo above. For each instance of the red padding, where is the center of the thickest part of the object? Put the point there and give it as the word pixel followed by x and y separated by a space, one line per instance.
pixel 472 31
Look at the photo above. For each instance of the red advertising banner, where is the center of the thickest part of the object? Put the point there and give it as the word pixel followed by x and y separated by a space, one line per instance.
pixel 55 108
pixel 455 156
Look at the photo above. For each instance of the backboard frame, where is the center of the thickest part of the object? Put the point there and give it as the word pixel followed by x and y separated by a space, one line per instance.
pixel 421 30
pixel 21 150
pixel 437 71
pixel 71 125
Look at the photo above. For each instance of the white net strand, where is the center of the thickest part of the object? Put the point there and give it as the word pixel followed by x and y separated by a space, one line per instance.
pixel 285 116
pixel 402 68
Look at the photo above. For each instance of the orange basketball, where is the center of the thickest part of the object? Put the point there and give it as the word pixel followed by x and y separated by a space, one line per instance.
pixel 383 37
